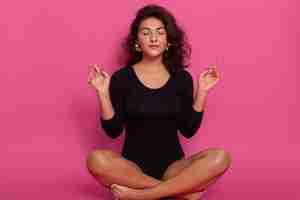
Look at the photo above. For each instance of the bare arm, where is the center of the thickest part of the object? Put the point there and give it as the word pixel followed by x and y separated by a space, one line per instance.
pixel 200 100
pixel 105 105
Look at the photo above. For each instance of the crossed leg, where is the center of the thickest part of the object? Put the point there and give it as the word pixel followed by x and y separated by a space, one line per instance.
pixel 108 167
pixel 196 173
pixel 178 166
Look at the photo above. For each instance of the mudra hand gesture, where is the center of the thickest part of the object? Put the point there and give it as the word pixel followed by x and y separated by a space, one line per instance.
pixel 208 79
pixel 98 78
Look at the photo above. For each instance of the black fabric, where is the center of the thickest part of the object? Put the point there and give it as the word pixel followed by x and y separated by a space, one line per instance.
pixel 151 118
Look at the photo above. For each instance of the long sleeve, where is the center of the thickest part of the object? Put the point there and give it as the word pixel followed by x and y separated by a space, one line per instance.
pixel 114 126
pixel 188 120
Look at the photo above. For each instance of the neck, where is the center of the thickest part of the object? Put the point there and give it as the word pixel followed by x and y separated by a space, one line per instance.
pixel 152 64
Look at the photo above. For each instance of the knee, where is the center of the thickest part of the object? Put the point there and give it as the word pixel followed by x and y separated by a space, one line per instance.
pixel 221 159
pixel 99 160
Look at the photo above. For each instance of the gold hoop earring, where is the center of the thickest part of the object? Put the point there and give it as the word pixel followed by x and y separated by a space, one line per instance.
pixel 137 47
pixel 167 48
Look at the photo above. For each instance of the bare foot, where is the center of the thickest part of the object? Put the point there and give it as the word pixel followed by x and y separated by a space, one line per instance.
pixel 195 196
pixel 125 193
pixel 121 192
pixel 192 196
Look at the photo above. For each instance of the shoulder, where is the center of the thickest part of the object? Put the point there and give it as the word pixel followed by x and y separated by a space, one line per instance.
pixel 119 80
pixel 184 77
pixel 120 76
pixel 184 82
pixel 121 73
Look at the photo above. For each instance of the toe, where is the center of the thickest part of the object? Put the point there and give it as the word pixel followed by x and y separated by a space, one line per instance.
pixel 115 187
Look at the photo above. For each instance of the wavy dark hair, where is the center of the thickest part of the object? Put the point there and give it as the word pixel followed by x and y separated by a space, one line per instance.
pixel 178 53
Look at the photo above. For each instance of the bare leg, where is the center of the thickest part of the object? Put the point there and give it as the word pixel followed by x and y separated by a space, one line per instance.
pixel 198 194
pixel 178 166
pixel 195 177
pixel 108 167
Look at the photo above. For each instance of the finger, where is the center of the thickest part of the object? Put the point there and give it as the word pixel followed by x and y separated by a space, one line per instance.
pixel 212 67
pixel 90 75
pixel 96 68
pixel 92 71
pixel 203 74
pixel 208 70
pixel 92 67
pixel 89 81
pixel 102 72
pixel 99 71
pixel 213 70
pixel 105 73
pixel 216 72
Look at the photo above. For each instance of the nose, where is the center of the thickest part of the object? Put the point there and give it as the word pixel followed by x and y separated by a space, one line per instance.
pixel 153 38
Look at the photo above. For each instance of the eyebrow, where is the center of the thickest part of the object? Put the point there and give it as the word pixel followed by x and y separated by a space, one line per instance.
pixel 150 28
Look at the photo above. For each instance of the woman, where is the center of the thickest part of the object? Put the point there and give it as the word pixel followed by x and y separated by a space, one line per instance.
pixel 152 96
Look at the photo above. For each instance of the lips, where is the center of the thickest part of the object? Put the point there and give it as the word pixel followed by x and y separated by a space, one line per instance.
pixel 153 46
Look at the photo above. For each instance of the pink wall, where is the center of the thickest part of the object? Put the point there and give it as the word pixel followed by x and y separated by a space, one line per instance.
pixel 49 114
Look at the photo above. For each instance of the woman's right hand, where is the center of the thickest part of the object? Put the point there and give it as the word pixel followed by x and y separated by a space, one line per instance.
pixel 98 79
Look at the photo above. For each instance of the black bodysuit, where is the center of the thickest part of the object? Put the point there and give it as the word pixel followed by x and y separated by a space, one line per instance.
pixel 151 118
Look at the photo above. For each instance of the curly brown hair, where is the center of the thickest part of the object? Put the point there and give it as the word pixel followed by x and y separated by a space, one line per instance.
pixel 179 52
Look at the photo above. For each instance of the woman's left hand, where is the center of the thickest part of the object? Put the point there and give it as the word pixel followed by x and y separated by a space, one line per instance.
pixel 208 79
